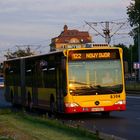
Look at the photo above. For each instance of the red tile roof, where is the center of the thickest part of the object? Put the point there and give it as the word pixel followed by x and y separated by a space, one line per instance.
pixel 67 35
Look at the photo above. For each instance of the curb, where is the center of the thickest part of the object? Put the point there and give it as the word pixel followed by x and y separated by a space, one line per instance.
pixel 133 92
pixel 109 137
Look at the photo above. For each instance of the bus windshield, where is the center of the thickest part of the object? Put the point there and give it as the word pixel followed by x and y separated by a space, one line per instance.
pixel 95 77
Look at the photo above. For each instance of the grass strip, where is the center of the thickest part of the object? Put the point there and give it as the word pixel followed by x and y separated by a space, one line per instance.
pixel 21 125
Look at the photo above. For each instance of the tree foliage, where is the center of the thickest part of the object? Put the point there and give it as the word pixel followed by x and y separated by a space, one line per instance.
pixel 19 53
pixel 129 54
pixel 126 52
pixel 133 11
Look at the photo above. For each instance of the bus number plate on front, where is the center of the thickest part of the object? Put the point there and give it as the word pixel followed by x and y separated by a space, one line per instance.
pixel 97 109
pixel 115 96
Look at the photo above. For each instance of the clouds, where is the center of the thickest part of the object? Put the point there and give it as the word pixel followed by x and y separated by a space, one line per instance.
pixel 63 6
pixel 62 11
pixel 34 20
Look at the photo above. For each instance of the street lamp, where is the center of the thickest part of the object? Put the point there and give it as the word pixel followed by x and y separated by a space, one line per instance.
pixel 139 49
pixel 131 51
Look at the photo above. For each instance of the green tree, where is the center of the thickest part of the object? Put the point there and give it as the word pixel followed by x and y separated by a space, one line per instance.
pixel 126 54
pixel 130 55
pixel 133 11
pixel 19 53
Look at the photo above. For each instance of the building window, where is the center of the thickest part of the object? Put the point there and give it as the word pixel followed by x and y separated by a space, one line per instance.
pixel 74 40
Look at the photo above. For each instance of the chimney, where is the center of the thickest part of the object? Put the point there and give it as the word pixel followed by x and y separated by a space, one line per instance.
pixel 65 28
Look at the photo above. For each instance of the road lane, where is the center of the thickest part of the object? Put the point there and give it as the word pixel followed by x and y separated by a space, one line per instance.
pixel 125 124
pixel 134 97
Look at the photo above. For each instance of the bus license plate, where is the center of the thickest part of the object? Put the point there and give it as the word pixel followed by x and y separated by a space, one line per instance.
pixel 97 109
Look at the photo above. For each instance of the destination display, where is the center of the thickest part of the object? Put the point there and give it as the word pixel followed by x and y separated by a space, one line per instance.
pixel 94 54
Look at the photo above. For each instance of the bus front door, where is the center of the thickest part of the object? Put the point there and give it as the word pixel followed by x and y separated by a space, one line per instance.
pixel 34 91
pixel 35 96
pixel 59 90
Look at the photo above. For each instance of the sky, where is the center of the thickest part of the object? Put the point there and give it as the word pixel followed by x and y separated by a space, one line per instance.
pixel 35 22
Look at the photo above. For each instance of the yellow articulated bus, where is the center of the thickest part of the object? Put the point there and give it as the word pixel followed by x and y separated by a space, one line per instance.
pixel 68 81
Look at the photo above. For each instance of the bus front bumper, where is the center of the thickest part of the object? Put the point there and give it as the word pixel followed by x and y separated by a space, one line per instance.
pixel 79 109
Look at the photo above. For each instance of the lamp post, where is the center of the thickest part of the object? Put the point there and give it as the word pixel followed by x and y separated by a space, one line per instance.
pixel 131 50
pixel 139 50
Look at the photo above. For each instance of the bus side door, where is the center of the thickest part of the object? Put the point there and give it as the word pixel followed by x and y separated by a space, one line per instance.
pixel 61 80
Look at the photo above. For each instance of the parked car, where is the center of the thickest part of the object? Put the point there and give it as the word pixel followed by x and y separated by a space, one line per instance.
pixel 1 82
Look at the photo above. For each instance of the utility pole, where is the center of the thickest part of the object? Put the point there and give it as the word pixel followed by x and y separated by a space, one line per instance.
pixel 105 30
pixel 131 51
pixel 139 50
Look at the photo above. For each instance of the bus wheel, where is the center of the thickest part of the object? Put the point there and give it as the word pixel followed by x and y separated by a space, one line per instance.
pixel 29 101
pixel 106 114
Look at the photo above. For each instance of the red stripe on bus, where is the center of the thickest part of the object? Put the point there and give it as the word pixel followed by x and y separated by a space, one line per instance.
pixel 95 109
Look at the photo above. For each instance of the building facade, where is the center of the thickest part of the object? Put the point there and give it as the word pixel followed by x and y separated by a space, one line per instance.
pixel 70 39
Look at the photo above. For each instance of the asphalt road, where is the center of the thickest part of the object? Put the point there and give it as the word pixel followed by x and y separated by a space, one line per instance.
pixel 124 124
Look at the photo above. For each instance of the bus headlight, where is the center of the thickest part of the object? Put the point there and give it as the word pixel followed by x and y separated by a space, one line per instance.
pixel 120 102
pixel 71 105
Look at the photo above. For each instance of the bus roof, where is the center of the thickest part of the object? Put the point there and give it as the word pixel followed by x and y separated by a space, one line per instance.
pixel 31 56
pixel 64 51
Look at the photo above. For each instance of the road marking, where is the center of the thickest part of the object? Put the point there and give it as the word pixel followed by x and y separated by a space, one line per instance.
pixel 134 97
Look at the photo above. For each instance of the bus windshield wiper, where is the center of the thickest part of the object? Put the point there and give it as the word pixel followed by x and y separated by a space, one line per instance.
pixel 81 88
pixel 83 91
pixel 94 90
pixel 79 83
pixel 109 89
